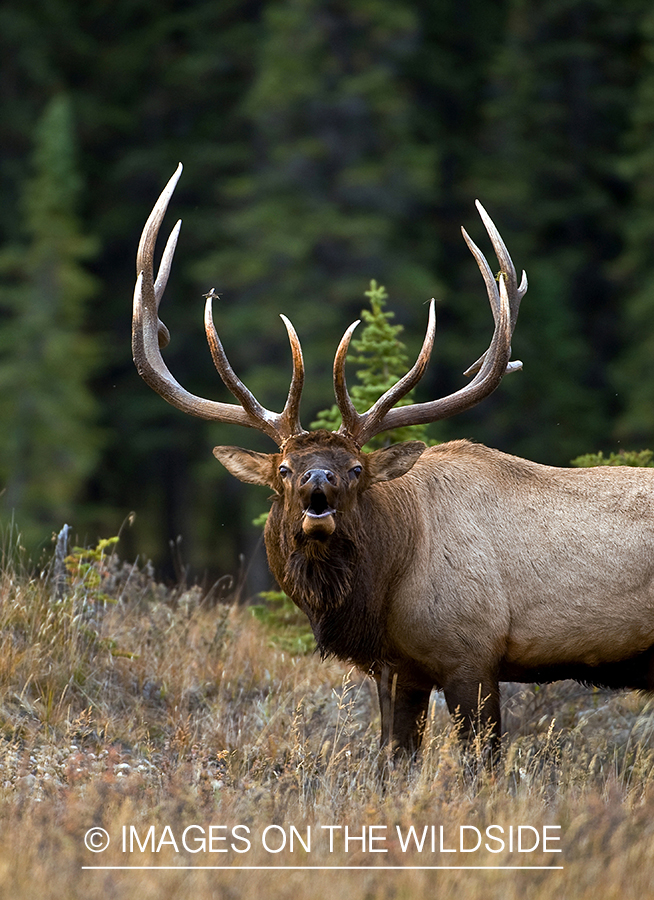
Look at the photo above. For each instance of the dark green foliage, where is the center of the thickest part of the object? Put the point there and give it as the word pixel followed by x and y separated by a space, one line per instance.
pixel 322 143
pixel 334 178
pixel 633 366
pixel 622 458
pixel 562 84
pixel 49 438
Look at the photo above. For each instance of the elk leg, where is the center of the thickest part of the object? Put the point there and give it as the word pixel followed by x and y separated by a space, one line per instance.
pixel 475 703
pixel 403 710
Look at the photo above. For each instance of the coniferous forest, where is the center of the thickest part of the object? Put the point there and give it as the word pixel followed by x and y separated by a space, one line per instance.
pixel 324 144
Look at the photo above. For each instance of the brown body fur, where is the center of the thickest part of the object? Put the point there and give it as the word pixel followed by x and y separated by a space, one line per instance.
pixel 471 568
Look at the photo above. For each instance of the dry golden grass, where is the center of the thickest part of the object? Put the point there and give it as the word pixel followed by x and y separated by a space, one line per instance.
pixel 163 717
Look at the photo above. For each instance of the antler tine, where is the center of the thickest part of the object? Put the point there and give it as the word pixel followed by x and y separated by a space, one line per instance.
pixel 346 408
pixel 279 425
pixel 162 279
pixel 363 426
pixel 150 335
pixel 230 379
pixel 515 292
pixel 290 416
pixel 145 252
pixel 490 368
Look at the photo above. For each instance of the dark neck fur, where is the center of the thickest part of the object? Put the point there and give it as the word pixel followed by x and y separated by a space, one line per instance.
pixel 335 586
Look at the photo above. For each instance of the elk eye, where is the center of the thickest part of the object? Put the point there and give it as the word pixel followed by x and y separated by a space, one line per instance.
pixel 356 471
pixel 284 471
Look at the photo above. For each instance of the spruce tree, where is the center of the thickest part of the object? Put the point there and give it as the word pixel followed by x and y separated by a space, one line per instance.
pixel 49 439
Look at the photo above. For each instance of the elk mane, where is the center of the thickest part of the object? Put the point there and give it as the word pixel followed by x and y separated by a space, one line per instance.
pixel 332 584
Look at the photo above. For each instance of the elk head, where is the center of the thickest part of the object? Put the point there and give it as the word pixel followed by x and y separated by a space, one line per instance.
pixel 318 476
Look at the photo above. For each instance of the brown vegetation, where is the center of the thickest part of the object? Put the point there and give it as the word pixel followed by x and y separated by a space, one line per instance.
pixel 124 704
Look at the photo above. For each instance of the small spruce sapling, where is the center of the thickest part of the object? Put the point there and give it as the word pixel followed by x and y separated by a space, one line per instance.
pixel 383 360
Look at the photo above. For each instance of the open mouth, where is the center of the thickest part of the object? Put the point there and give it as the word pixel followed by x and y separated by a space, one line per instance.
pixel 318 520
pixel 318 506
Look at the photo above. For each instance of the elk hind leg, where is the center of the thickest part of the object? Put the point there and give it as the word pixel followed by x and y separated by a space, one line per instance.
pixel 475 704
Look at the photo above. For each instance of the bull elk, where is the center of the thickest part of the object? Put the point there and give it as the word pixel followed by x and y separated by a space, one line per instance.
pixel 455 566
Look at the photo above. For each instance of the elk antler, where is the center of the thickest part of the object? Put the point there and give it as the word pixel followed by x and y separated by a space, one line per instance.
pixel 488 370
pixel 150 335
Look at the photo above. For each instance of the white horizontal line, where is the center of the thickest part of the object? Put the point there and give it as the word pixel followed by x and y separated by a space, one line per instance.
pixel 319 868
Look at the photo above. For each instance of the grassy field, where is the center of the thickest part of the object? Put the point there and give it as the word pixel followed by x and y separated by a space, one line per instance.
pixel 220 765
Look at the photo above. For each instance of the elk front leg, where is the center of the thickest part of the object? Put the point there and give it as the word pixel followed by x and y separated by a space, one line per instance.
pixel 475 703
pixel 403 710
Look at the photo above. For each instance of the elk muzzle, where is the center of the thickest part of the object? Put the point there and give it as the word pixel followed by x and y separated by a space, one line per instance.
pixel 318 492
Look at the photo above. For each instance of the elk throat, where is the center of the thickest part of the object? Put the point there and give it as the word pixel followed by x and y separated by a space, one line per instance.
pixel 332 583
pixel 320 573
pixel 324 579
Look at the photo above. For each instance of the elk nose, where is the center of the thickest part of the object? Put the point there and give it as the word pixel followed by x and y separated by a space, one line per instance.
pixel 317 477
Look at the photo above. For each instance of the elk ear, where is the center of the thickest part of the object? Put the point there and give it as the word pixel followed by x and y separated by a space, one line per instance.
pixel 394 461
pixel 247 465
